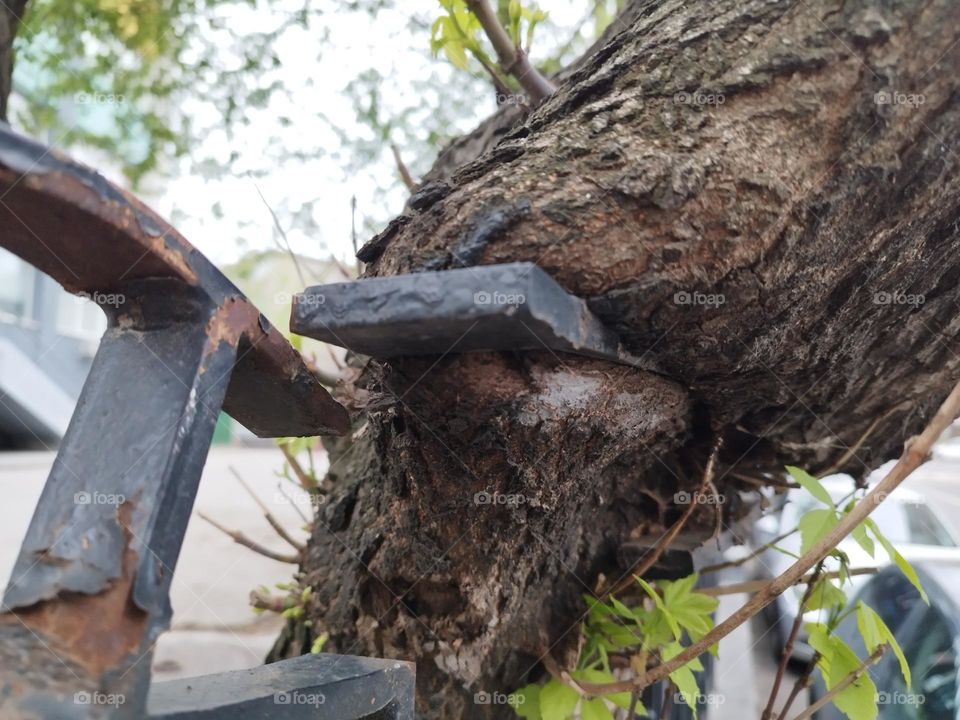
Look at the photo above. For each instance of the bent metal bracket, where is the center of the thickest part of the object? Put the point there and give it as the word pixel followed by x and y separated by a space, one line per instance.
pixel 89 594
pixel 514 306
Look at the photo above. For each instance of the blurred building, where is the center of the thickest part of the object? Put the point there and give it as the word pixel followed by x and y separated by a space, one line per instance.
pixel 47 341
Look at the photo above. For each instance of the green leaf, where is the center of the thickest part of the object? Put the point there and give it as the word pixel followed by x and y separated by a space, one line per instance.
pixel 661 614
pixel 815 525
pixel 857 701
pixel 859 534
pixel 876 633
pixel 683 676
pixel 898 559
pixel 557 701
pixel 595 709
pixel 526 702
pixel 825 595
pixel 456 54
pixel 809 483
pixel 691 610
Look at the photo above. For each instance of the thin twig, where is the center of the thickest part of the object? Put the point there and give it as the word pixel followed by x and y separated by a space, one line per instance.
pixel 766 482
pixel 295 505
pixel 766 546
pixel 405 175
pixel 241 539
pixel 843 684
pixel 740 561
pixel 274 523
pixel 650 559
pixel 283 234
pixel 791 641
pixel 306 482
pixel 512 59
pixel 750 586
pixel 265 601
pixel 852 450
pixel 798 686
pixel 916 452
pixel 667 702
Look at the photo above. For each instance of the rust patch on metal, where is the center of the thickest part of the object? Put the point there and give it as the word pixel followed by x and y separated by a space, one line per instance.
pixel 95 631
pixel 231 321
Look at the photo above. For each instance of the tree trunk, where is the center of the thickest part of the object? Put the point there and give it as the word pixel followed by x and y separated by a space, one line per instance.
pixel 762 198
pixel 10 15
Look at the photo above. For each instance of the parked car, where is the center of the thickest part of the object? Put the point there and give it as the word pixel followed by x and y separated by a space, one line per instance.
pixel 908 521
pixel 928 635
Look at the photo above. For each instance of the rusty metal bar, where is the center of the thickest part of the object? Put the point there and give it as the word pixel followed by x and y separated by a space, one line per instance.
pixel 89 593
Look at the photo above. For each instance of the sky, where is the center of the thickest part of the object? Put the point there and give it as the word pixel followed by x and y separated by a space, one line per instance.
pixel 317 78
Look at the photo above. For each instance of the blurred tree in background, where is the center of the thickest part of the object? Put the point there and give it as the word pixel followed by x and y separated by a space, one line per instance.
pixel 227 87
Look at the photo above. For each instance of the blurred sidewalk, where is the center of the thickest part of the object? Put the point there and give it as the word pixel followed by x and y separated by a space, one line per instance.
pixel 214 629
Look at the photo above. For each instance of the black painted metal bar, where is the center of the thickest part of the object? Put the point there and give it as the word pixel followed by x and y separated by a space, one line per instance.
pixel 92 579
pixel 318 687
pixel 89 594
pixel 516 306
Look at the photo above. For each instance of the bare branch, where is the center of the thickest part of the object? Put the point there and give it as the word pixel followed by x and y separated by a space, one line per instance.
pixel 241 539
pixel 755 585
pixel 512 59
pixel 306 482
pixel 405 175
pixel 274 523
pixel 265 601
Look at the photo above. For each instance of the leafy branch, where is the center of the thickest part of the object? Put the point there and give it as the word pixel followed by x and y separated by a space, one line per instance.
pixel 915 453
pixel 458 33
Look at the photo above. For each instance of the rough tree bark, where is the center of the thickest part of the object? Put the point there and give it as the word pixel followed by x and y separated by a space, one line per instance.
pixel 10 15
pixel 825 217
